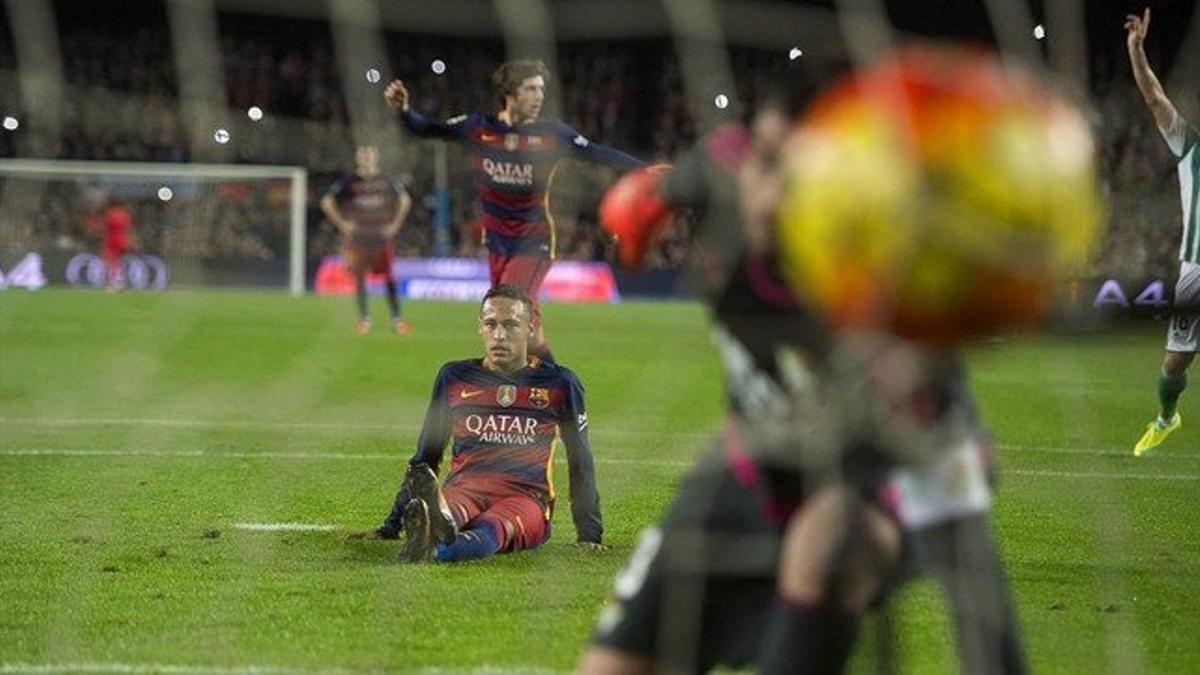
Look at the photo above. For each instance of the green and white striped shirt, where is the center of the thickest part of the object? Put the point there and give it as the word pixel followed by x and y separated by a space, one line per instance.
pixel 1184 141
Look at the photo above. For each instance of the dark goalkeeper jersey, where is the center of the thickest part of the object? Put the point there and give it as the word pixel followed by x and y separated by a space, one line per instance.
pixel 501 430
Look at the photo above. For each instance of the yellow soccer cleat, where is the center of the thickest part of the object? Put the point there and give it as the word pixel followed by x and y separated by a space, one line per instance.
pixel 1155 435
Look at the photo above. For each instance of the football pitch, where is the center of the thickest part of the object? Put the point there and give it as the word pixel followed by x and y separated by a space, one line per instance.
pixel 178 472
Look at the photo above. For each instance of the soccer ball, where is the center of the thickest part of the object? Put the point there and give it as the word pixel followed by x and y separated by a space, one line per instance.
pixel 937 195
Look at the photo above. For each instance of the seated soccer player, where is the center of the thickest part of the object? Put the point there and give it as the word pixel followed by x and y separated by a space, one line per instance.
pixel 500 414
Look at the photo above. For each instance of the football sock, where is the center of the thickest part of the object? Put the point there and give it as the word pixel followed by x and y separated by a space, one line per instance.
pixel 360 294
pixel 804 639
pixel 473 544
pixel 393 299
pixel 1169 389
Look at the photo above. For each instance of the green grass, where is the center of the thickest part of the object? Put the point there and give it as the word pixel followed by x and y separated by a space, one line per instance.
pixel 136 430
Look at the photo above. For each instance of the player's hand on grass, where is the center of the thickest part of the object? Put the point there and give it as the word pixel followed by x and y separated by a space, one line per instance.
pixel 591 546
pixel 396 96
pixel 1136 28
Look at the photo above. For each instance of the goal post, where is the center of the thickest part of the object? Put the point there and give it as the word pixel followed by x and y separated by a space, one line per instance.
pixel 31 186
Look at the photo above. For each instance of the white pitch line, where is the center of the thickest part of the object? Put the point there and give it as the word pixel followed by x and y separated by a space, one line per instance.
pixel 284 527
pixel 1091 452
pixel 1101 476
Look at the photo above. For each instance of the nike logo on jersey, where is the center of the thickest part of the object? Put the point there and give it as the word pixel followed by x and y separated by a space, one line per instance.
pixel 469 394
pixel 488 138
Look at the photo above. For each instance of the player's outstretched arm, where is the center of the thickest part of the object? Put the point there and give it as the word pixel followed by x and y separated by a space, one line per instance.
pixel 583 149
pixel 397 98
pixel 1136 28
pixel 585 499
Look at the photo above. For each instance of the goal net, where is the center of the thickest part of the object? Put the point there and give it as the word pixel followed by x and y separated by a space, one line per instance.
pixel 192 224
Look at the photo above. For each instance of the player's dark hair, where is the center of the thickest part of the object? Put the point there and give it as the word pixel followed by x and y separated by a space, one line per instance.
pixel 511 74
pixel 510 292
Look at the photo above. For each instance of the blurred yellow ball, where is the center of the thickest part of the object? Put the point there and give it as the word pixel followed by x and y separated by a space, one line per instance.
pixel 938 195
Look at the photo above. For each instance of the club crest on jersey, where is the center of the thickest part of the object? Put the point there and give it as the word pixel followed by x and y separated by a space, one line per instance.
pixel 506 394
pixel 511 141
pixel 539 397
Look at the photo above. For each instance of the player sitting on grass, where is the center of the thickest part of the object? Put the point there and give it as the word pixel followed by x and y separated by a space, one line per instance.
pixel 501 414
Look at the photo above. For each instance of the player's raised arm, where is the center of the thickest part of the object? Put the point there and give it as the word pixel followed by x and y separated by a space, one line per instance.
pixel 585 499
pixel 1136 28
pixel 582 148
pixel 397 97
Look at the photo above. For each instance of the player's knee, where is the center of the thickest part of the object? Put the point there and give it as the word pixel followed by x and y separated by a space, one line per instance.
pixel 609 661
pixel 1175 364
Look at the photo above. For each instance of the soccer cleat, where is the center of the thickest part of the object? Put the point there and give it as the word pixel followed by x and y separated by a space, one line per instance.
pixel 1156 434
pixel 418 545
pixel 401 327
pixel 423 485
pixel 363 326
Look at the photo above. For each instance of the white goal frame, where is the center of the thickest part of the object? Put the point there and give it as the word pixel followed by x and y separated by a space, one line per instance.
pixel 298 199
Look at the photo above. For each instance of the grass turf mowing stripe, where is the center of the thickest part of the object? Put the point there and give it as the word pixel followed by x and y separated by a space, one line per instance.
pixel 76 452
pixel 172 669
pixel 284 426
pixel 50 452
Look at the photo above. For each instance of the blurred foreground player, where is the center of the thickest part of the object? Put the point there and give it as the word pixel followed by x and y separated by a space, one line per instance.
pixel 1183 335
pixel 369 208
pixel 851 458
pixel 514 154
pixel 500 414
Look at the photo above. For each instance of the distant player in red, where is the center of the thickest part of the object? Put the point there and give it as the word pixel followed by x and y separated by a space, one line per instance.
pixel 117 223
pixel 499 415
pixel 369 208
pixel 514 154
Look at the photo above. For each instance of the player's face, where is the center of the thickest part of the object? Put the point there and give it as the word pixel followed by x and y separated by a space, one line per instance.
pixel 366 160
pixel 525 104
pixel 504 325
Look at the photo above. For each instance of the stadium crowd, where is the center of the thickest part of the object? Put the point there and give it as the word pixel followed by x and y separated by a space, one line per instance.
pixel 124 105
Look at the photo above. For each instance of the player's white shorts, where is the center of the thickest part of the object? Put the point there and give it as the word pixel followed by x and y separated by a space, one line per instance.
pixel 1181 332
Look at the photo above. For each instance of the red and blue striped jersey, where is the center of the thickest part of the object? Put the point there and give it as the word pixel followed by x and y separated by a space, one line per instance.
pixel 501 429
pixel 513 167
pixel 370 201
